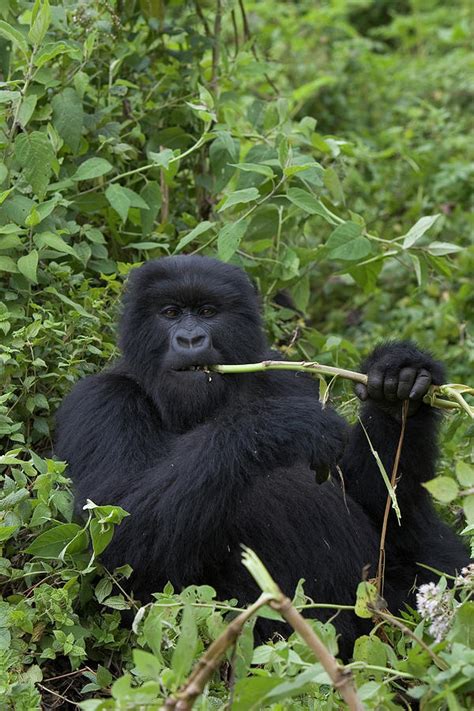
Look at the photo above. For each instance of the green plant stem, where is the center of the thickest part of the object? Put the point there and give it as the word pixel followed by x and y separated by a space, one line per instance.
pixel 313 367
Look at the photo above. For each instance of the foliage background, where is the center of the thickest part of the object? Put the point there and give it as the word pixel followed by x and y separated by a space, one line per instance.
pixel 304 141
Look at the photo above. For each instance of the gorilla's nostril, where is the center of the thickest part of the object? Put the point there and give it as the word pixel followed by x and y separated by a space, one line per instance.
pixel 188 342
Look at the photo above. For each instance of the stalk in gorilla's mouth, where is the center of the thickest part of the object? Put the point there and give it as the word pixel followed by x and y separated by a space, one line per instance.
pixel 187 368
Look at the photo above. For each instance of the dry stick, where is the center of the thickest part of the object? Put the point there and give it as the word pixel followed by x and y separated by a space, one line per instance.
pixel 341 677
pixel 184 699
pixel 393 482
pixel 313 367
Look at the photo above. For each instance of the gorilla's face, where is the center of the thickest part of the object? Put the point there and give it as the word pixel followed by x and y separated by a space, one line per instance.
pixel 182 314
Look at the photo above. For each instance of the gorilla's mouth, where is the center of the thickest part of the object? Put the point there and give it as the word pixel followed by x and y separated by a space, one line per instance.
pixel 188 368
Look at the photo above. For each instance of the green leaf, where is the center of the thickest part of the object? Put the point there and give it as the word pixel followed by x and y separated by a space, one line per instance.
pixel 101 535
pixel 366 595
pixel 347 243
pixel 50 543
pixel 27 108
pixel 151 194
pixel 13 35
pixel 7 264
pixel 35 155
pixel 438 249
pixel 333 184
pixel 418 230
pixel 50 51
pixel 54 241
pixel 40 19
pixel 307 202
pixel 238 197
pixel 146 664
pixel 198 230
pixel 465 474
pixel 92 168
pixel 28 265
pixel 119 200
pixel 68 117
pixel 443 488
pixel 229 239
pixel 255 168
pixel 7 532
pixel 103 589
pixel 183 654
pixel 163 158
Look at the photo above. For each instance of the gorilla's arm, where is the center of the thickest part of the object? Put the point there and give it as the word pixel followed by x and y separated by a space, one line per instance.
pixel 421 531
pixel 181 489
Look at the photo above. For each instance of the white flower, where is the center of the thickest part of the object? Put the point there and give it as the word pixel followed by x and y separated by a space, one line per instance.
pixel 434 605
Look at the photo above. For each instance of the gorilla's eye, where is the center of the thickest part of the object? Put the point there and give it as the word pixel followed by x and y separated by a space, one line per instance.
pixel 171 311
pixel 207 311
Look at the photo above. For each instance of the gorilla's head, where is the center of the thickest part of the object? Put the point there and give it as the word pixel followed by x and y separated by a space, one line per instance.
pixel 183 313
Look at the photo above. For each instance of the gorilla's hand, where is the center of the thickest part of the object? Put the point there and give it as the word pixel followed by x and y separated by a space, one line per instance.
pixel 398 371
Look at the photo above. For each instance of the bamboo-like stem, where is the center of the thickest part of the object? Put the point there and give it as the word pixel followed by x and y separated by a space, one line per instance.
pixel 431 398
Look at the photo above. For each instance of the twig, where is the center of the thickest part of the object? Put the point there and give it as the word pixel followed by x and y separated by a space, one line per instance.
pixel 393 482
pixel 340 676
pixel 165 196
pixel 184 699
pixel 431 398
pixel 216 46
pixel 387 617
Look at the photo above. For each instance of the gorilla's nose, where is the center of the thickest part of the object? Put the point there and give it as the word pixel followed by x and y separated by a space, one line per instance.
pixel 196 341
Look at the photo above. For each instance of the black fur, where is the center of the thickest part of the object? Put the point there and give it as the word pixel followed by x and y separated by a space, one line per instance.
pixel 206 462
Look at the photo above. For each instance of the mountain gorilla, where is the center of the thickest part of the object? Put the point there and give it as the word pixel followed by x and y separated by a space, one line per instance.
pixel 205 462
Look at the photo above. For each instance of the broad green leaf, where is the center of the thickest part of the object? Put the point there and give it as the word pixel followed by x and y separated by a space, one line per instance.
pixel 135 199
pixel 238 197
pixel 50 51
pixel 119 200
pixel 15 36
pixel 92 168
pixel 28 265
pixel 163 158
pixel 443 488
pixel 101 535
pixel 54 241
pixel 254 168
pixel 183 653
pixel 50 543
pixel 418 230
pixel 36 156
pixel 151 194
pixel 307 202
pixel 465 474
pixel 7 532
pixel 27 108
pixel 40 19
pixel 147 665
pixel 438 249
pixel 68 117
pixel 347 243
pixel 366 595
pixel 198 230
pixel 66 300
pixel 7 264
pixel 333 184
pixel 229 239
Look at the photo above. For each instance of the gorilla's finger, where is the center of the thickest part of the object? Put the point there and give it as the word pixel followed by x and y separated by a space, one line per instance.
pixel 390 386
pixel 361 391
pixel 375 383
pixel 405 382
pixel 422 383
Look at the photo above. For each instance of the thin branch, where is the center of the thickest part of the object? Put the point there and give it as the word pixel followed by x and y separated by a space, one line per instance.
pixel 393 482
pixel 431 398
pixel 341 677
pixel 216 47
pixel 184 699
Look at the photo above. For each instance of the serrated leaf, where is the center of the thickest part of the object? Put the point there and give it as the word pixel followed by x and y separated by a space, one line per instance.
pixel 198 230
pixel 418 230
pixel 28 265
pixel 183 654
pixel 40 19
pixel 13 35
pixel 347 243
pixel 229 239
pixel 307 202
pixel 119 200
pixel 35 155
pixel 239 197
pixel 68 117
pixel 92 168
pixel 443 488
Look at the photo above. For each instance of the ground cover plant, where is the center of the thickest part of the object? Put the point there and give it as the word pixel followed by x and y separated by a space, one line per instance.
pixel 325 148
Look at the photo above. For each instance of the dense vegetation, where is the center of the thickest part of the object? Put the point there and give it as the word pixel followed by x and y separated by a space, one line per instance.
pixel 323 146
